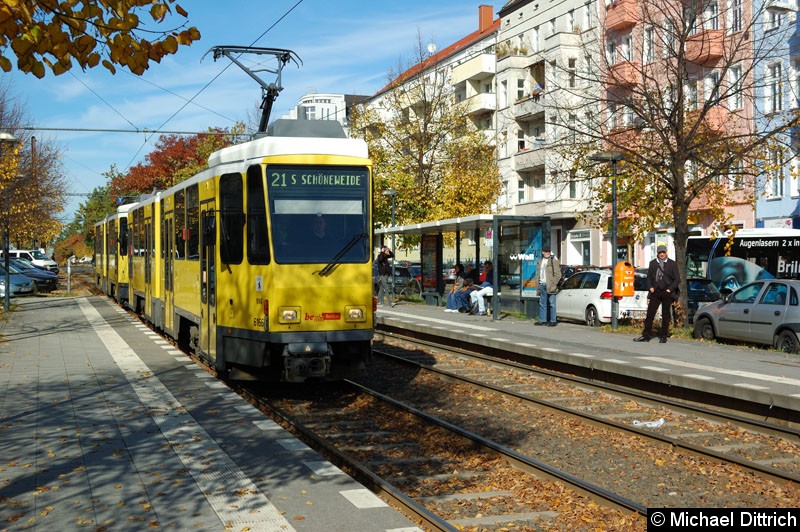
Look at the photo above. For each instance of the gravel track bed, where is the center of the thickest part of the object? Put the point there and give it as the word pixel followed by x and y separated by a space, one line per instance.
pixel 362 426
pixel 653 475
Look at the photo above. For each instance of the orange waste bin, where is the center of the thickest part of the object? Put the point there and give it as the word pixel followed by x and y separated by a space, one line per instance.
pixel 623 279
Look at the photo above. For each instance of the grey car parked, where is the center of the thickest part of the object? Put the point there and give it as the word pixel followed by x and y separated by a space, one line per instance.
pixel 763 312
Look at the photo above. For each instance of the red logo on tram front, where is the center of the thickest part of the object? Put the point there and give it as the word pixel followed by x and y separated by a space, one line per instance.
pixel 325 316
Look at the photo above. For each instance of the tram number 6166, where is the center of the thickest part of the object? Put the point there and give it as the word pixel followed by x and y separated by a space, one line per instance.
pixel 258 322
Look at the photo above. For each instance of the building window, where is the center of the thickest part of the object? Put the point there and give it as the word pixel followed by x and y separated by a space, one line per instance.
pixel 795 96
pixel 711 15
pixel 773 91
pixel 520 89
pixel 573 75
pixel 571 20
pixel 551 27
pixel 734 16
pixel 535 39
pixel 772 19
pixel 691 95
pixel 736 100
pixel 504 93
pixel 572 128
pixel 736 175
pixel 310 112
pixel 775 189
pixel 626 48
pixel 521 191
pixel 648 45
pixel 611 52
pixel 670 40
pixel 711 88
pixel 612 115
pixel 520 140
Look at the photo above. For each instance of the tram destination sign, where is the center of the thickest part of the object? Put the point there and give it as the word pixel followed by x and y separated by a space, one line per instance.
pixel 295 177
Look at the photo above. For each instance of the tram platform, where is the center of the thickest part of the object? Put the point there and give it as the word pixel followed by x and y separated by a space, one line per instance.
pixel 758 376
pixel 105 426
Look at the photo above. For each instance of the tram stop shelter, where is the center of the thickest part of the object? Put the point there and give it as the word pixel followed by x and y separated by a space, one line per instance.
pixel 514 245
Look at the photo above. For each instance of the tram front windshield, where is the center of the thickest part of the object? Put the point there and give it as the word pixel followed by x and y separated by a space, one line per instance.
pixel 319 212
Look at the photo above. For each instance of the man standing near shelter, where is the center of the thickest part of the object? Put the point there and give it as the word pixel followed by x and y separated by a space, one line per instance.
pixel 384 271
pixel 662 281
pixel 549 272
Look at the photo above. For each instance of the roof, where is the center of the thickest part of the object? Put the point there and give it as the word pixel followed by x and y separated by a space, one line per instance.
pixel 511 5
pixel 440 56
pixel 466 223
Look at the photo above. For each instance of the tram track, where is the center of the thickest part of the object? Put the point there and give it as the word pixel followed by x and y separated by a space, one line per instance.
pixel 476 467
pixel 689 472
pixel 463 480
pixel 774 450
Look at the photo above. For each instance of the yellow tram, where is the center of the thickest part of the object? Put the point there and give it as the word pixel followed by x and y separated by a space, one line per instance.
pixel 261 262
pixel 111 251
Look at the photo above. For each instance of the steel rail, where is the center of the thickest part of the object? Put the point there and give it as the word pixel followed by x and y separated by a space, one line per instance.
pixel 771 473
pixel 517 460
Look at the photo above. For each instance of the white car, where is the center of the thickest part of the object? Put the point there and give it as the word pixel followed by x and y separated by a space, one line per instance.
pixel 586 297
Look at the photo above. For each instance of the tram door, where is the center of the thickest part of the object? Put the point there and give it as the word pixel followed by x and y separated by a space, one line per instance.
pixel 168 237
pixel 208 281
pixel 148 256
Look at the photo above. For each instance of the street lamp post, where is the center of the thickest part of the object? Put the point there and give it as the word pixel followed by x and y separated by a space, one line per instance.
pixel 6 138
pixel 392 193
pixel 613 157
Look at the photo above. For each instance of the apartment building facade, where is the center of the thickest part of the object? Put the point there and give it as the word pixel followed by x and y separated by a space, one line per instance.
pixel 521 78
pixel 776 99
pixel 326 106
pixel 541 50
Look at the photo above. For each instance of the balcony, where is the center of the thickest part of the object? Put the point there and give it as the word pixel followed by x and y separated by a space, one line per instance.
pixel 705 47
pixel 563 38
pixel 530 158
pixel 782 5
pixel 622 14
pixel 529 108
pixel 517 60
pixel 625 73
pixel 716 120
pixel 479 67
pixel 480 103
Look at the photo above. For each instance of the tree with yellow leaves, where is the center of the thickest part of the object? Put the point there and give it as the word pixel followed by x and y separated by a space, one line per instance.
pixel 424 146
pixel 48 34
pixel 32 182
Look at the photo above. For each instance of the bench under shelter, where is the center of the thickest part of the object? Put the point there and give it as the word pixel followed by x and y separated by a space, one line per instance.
pixel 515 245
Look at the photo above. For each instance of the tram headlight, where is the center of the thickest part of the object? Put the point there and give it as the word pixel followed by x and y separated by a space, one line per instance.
pixel 355 313
pixel 289 315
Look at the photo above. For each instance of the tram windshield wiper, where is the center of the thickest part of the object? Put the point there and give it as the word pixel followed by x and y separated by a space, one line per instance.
pixel 335 260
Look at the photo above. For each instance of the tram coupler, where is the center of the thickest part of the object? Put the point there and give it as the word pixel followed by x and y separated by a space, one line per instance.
pixel 303 360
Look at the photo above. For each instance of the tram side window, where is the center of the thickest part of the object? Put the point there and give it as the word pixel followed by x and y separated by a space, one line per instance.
pixel 142 248
pixel 231 219
pixel 123 237
pixel 180 224
pixel 257 242
pixel 164 238
pixel 193 223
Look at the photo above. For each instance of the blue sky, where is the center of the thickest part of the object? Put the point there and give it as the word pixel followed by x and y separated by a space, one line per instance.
pixel 346 47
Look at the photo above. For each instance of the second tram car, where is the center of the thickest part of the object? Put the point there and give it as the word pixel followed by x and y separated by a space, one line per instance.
pixel 261 262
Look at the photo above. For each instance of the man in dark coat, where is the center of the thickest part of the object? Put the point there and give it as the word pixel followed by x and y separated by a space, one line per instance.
pixel 662 281
pixel 384 272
